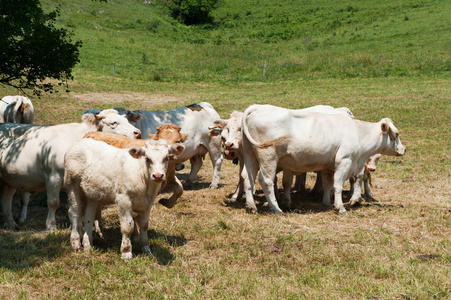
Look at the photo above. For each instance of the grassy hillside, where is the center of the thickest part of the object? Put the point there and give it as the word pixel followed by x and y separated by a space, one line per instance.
pixel 297 40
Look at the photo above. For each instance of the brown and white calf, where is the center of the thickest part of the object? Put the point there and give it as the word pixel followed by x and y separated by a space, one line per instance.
pixel 365 176
pixel 101 174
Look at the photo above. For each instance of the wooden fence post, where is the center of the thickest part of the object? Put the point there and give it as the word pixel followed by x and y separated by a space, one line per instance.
pixel 380 63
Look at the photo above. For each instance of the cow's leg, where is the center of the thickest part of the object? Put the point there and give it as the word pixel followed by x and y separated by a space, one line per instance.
pixel 287 181
pixel 318 184
pixel 299 184
pixel 75 213
pixel 328 183
pixel 53 186
pixel 6 196
pixel 143 222
pixel 24 200
pixel 125 212
pixel 268 173
pixel 98 222
pixel 366 179
pixel 196 164
pixel 340 176
pixel 249 174
pixel 240 187
pixel 357 190
pixel 351 185
pixel 89 217
pixel 177 188
pixel 214 150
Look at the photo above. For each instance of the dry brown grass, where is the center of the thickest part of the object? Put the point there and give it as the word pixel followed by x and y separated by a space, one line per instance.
pixel 396 246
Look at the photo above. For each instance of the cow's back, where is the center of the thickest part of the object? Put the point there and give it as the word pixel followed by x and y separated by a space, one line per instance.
pixel 303 140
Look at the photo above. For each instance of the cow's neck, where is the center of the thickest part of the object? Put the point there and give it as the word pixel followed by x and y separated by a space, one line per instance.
pixel 370 139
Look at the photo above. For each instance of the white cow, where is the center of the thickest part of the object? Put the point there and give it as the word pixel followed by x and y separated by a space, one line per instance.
pixel 32 156
pixel 298 142
pixel 101 174
pixel 230 131
pixel 16 109
pixel 194 120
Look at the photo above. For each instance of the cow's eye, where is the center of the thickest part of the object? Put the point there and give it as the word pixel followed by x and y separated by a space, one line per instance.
pixel 148 160
pixel 165 159
pixel 113 124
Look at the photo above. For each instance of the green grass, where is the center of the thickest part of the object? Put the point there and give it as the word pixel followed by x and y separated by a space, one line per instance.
pixel 207 247
pixel 298 40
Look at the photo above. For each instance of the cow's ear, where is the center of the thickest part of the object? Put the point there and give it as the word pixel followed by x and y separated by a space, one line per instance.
pixel 153 136
pixel 89 118
pixel 136 152
pixel 384 126
pixel 183 137
pixel 134 117
pixel 175 150
pixel 221 123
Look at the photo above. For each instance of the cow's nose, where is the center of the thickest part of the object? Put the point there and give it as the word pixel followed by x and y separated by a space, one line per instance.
pixel 372 169
pixel 137 134
pixel 158 176
pixel 229 145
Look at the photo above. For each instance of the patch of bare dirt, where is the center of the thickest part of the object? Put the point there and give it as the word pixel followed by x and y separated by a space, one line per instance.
pixel 154 99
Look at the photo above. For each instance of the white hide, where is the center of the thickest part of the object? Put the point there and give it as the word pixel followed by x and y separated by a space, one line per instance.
pixel 298 142
pixel 230 131
pixel 32 156
pixel 194 120
pixel 100 174
pixel 16 109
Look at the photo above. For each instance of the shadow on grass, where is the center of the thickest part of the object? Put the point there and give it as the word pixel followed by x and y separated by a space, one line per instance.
pixel 32 245
pixel 159 244
pixel 303 203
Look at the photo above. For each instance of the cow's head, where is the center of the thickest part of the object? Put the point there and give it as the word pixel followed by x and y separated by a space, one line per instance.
pixel 170 133
pixel 230 131
pixel 156 154
pixel 391 143
pixel 371 163
pixel 132 116
pixel 109 120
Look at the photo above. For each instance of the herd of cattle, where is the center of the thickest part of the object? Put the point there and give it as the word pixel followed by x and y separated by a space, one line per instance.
pixel 104 161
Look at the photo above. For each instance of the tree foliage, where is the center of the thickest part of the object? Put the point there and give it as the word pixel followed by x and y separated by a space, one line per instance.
pixel 32 49
pixel 192 12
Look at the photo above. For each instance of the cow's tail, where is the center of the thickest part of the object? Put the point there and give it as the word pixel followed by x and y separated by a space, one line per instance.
pixel 244 126
pixel 267 144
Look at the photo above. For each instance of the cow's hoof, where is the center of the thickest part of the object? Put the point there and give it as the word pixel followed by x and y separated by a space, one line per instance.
pixel 213 186
pixel 342 212
pixel 251 210
pixel 180 167
pixel 353 202
pixel 76 246
pixel 12 226
pixel 51 227
pixel 165 202
pixel 127 256
pixel 146 250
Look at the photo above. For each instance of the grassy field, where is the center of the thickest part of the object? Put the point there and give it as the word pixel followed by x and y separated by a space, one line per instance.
pixel 395 246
